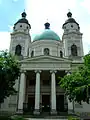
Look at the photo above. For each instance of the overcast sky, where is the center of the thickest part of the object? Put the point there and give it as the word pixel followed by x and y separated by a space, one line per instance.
pixel 38 11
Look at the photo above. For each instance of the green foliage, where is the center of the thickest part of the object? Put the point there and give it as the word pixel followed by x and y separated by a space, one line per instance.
pixel 73 118
pixel 9 72
pixel 87 60
pixel 76 84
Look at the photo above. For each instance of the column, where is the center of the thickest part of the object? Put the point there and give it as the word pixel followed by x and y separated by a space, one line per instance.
pixel 37 93
pixel 65 103
pixel 21 92
pixel 70 104
pixel 53 93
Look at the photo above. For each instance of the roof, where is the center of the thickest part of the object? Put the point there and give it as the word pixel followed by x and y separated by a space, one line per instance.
pixel 70 19
pixel 47 34
pixel 23 19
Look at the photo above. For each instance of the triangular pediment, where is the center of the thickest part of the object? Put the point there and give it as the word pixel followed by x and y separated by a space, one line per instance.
pixel 46 59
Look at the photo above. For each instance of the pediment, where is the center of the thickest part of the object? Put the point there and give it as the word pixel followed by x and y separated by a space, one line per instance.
pixel 46 59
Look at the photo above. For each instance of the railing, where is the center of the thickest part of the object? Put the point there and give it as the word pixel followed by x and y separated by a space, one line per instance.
pixel 58 89
pixel 45 89
pixel 31 89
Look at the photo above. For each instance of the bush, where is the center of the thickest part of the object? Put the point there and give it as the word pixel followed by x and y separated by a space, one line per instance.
pixel 73 118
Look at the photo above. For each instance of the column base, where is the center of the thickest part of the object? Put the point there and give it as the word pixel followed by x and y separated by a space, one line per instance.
pixel 53 112
pixel 36 112
pixel 20 111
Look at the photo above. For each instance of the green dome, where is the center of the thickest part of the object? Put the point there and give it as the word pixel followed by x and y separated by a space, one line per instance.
pixel 47 34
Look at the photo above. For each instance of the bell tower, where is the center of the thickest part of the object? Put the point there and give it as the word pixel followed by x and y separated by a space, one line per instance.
pixel 20 38
pixel 72 39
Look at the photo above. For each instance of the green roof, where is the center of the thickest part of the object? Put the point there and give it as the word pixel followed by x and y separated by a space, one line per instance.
pixel 47 34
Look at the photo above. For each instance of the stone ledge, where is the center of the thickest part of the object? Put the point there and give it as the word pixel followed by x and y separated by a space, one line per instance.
pixel 19 111
pixel 53 112
pixel 36 112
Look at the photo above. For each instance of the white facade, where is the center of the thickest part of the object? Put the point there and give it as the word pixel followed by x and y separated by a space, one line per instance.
pixel 44 57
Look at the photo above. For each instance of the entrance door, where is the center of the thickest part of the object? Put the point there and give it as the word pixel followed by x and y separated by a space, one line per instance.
pixel 31 103
pixel 45 103
pixel 60 103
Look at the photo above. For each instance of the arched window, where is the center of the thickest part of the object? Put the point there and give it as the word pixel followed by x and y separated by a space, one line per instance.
pixel 61 54
pixel 74 50
pixel 18 50
pixel 46 51
pixel 32 53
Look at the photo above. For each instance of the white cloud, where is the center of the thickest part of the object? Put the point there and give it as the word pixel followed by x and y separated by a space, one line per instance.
pixel 10 27
pixel 86 38
pixel 53 10
pixel 86 5
pixel 4 40
pixel 38 11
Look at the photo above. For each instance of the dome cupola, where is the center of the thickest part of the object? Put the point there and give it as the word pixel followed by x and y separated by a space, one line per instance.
pixel 23 19
pixel 47 25
pixel 70 23
pixel 22 25
pixel 47 34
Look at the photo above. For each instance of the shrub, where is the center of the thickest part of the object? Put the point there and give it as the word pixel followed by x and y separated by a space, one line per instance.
pixel 73 118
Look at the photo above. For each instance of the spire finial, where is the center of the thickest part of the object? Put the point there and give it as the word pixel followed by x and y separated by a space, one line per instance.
pixel 24 14
pixel 69 14
pixel 68 10
pixel 47 25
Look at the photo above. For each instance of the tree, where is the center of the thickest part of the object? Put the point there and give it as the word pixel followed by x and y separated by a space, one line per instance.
pixel 9 72
pixel 87 60
pixel 77 83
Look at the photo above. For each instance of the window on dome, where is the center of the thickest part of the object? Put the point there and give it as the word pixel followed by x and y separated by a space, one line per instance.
pixel 74 50
pixel 61 54
pixel 72 26
pixel 32 53
pixel 20 25
pixel 46 51
pixel 18 50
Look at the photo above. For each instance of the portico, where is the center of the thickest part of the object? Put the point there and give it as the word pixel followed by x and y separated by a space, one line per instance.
pixel 41 84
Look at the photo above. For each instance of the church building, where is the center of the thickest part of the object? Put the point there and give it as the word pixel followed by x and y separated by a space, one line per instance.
pixel 43 60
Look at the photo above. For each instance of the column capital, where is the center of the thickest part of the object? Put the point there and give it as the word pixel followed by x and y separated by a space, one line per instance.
pixel 22 71
pixel 68 72
pixel 37 71
pixel 53 71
